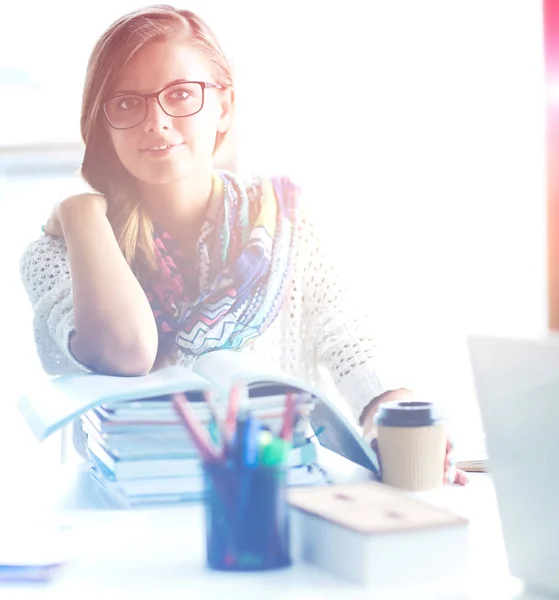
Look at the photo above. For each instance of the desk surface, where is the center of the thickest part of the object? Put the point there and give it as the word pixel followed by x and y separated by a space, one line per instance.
pixel 159 553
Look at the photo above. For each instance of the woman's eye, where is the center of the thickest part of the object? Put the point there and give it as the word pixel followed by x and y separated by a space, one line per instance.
pixel 128 103
pixel 180 94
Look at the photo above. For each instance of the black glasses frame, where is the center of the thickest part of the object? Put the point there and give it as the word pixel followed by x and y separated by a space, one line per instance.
pixel 203 84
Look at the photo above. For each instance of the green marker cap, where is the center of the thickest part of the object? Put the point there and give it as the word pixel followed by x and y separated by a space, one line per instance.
pixel 276 452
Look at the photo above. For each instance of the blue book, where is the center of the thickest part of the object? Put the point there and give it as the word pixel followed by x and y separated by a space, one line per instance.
pixel 144 468
pixel 170 490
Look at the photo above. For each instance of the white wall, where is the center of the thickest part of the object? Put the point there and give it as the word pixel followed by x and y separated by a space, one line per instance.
pixel 419 129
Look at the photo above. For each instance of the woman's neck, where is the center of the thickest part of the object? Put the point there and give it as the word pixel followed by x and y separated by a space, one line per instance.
pixel 180 207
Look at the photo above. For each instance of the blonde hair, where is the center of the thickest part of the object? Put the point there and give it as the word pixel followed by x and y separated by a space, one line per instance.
pixel 101 167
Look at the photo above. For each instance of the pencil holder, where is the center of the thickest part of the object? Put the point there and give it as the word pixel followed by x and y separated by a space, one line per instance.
pixel 247 526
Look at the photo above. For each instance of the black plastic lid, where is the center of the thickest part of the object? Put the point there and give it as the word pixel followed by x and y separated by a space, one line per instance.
pixel 408 414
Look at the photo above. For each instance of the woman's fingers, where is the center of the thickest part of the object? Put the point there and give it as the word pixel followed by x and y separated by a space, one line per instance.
pixel 451 473
pixel 461 478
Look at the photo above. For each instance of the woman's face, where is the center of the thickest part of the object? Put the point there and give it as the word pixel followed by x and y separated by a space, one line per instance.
pixel 164 149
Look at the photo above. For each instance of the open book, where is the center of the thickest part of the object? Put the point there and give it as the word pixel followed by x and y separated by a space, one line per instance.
pixel 133 407
pixel 471 455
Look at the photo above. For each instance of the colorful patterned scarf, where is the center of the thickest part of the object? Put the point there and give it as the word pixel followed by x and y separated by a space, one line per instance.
pixel 244 257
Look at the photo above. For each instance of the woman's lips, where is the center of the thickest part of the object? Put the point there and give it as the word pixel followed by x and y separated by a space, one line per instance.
pixel 160 149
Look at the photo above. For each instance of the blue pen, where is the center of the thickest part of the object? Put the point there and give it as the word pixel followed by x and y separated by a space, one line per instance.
pixel 245 456
pixel 246 440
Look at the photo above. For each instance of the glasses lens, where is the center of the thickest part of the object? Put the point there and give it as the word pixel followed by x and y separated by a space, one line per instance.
pixel 125 111
pixel 183 99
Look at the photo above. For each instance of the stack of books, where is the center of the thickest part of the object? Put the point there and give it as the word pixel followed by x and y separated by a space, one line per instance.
pixel 140 452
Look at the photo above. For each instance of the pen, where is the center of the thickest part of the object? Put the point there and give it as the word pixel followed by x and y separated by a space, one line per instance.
pixel 273 451
pixel 245 455
pixel 246 440
pixel 207 450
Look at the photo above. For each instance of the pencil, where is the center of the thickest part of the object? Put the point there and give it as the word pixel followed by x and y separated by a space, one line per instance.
pixel 197 433
pixel 231 419
pixel 216 417
pixel 286 432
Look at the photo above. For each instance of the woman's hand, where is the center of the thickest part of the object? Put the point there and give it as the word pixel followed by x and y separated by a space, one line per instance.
pixel 451 473
pixel 53 225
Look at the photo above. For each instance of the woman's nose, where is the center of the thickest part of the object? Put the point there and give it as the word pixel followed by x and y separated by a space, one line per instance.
pixel 156 118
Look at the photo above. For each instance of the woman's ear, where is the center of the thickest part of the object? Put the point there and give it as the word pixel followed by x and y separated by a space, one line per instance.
pixel 227 106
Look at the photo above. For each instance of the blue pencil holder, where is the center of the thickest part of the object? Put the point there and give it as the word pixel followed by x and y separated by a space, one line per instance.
pixel 247 525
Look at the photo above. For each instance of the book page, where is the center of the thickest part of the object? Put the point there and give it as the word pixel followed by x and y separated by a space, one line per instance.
pixel 53 403
pixel 337 434
pixel 224 368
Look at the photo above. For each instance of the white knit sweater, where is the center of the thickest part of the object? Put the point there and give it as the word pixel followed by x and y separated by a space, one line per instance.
pixel 315 326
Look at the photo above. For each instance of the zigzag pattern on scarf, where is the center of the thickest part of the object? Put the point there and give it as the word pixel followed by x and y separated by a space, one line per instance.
pixel 243 268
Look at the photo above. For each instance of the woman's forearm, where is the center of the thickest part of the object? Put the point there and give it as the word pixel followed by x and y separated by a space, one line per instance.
pixel 115 331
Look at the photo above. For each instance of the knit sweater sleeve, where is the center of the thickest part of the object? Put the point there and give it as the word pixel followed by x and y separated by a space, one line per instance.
pixel 339 335
pixel 45 273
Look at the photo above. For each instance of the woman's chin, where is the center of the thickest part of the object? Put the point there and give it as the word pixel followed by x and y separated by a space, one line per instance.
pixel 161 176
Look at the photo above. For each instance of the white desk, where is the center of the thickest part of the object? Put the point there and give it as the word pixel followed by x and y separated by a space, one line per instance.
pixel 159 554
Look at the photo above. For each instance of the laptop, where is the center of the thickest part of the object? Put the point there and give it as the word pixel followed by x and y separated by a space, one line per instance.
pixel 517 385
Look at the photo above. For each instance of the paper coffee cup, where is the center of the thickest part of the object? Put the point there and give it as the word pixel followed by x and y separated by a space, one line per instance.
pixel 412 440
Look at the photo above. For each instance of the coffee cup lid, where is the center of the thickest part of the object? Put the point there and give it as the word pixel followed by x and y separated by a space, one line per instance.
pixel 408 414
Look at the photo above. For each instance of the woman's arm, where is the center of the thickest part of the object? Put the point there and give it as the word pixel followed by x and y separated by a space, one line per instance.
pixel 341 339
pixel 90 312
pixel 114 327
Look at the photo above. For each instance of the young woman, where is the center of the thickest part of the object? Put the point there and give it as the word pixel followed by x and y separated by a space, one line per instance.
pixel 169 258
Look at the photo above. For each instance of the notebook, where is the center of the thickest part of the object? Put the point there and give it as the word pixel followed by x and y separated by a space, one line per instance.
pixel 38 561
pixel 384 533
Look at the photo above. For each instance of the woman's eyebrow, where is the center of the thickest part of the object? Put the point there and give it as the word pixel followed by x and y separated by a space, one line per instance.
pixel 174 82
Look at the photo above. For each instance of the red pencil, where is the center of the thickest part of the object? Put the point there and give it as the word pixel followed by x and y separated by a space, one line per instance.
pixel 231 419
pixel 288 416
pixel 207 450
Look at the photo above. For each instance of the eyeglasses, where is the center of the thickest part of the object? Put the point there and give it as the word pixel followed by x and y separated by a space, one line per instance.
pixel 182 99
